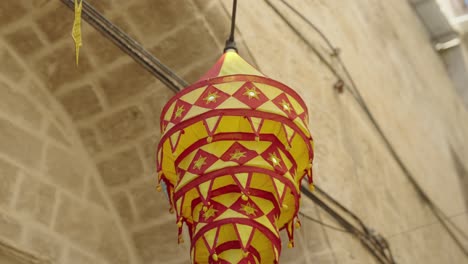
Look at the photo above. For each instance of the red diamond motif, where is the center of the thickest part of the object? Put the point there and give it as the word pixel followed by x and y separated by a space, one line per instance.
pixel 211 98
pixel 202 161
pixel 181 109
pixel 248 208
pixel 238 153
pixel 272 156
pixel 285 105
pixel 250 95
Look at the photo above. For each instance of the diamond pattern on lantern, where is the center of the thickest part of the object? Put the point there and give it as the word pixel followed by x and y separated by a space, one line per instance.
pixel 250 95
pixel 211 98
pixel 285 105
pixel 247 208
pixel 181 108
pixel 202 161
pixel 273 156
pixel 238 153
pixel 212 211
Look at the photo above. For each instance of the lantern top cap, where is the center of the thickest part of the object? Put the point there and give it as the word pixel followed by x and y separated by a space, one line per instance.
pixel 230 63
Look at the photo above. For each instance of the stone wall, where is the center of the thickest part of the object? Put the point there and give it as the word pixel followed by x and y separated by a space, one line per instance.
pixel 52 203
pixel 407 89
pixel 111 106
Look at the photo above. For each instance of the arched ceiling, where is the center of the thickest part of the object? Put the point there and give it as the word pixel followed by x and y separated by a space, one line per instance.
pixel 113 101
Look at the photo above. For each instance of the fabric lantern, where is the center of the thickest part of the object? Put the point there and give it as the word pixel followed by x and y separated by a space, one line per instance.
pixel 235 147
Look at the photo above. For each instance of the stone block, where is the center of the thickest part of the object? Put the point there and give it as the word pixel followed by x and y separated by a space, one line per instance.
pixel 192 43
pixel 36 200
pixel 11 11
pixel 44 245
pixel 55 24
pixel 65 169
pixel 103 6
pixel 90 140
pixel 126 80
pixel 10 228
pixel 56 133
pixel 76 257
pixel 94 194
pixel 8 179
pixel 103 50
pixel 149 150
pixel 158 244
pixel 121 168
pixel 58 67
pixel 121 202
pixel 122 126
pixel 79 222
pixel 19 144
pixel 204 4
pixel 158 17
pixel 40 95
pixel 10 67
pixel 111 245
pixel 154 104
pixel 81 102
pixel 150 204
pixel 24 41
pixel 219 22
pixel 16 105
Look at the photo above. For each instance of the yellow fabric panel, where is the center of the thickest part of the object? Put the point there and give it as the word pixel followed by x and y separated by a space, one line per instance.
pixel 230 87
pixel 233 255
pixel 193 95
pixel 211 122
pixel 234 64
pixel 210 237
pixel 245 232
pixel 297 107
pixel 227 199
pixel 204 188
pixel 270 91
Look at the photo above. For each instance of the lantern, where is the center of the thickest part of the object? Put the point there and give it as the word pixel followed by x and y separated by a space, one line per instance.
pixel 235 147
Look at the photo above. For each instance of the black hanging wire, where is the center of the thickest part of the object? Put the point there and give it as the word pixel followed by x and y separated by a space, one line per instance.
pixel 230 42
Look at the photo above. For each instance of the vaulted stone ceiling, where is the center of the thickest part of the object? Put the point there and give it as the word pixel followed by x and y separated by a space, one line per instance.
pixel 114 102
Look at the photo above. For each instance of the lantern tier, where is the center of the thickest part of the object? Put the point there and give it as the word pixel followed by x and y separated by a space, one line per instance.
pixel 234 149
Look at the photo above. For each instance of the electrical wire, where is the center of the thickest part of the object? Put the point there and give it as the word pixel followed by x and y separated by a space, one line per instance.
pixel 322 223
pixel 438 213
pixel 130 46
pixel 372 241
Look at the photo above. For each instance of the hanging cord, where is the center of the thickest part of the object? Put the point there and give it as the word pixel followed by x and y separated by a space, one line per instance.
pixel 230 42
pixel 372 241
pixel 438 213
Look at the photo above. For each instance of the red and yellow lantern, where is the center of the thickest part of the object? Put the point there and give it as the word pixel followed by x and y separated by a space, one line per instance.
pixel 235 147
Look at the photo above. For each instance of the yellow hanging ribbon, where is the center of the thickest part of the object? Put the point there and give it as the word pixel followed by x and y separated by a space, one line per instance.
pixel 76 31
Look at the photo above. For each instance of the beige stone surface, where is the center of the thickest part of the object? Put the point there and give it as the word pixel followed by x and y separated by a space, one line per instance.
pixel 79 141
pixel 19 144
pixel 8 179
pixel 36 200
pixel 121 168
pixel 10 228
